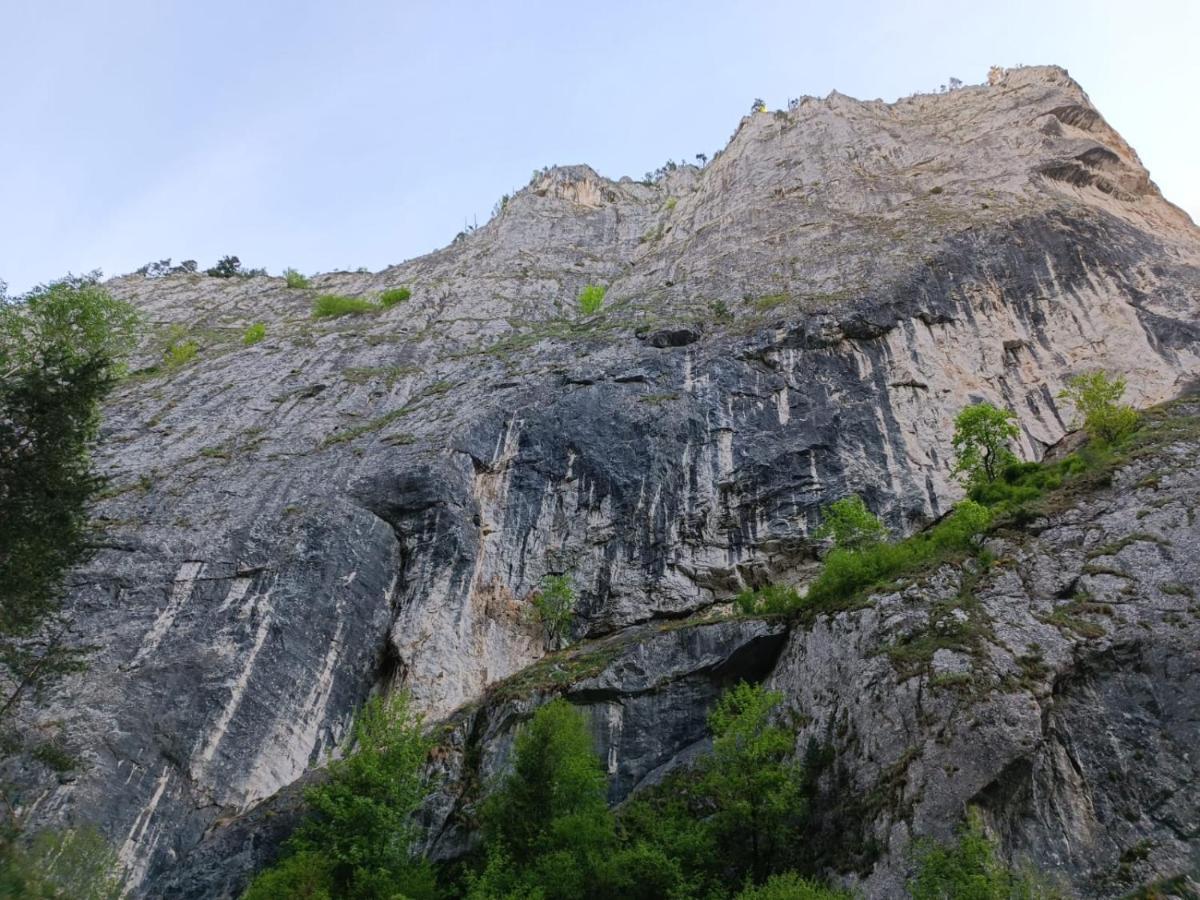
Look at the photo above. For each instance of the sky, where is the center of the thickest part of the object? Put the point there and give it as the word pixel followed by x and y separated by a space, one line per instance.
pixel 324 136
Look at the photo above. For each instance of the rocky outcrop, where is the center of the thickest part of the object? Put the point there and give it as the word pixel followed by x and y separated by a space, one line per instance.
pixel 1058 690
pixel 374 500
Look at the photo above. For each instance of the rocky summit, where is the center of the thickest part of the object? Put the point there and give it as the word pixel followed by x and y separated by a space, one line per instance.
pixel 369 501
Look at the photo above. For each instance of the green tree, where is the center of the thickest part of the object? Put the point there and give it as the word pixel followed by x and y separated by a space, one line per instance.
pixel 982 434
pixel 969 869
pixel 548 830
pixel 357 839
pixel 851 525
pixel 1096 397
pixel 753 782
pixel 554 607
pixel 61 349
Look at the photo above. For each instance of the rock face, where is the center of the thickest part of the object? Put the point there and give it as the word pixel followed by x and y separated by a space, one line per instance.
pixel 1063 696
pixel 374 499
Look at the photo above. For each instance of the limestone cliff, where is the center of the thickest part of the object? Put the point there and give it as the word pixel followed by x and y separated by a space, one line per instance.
pixel 373 500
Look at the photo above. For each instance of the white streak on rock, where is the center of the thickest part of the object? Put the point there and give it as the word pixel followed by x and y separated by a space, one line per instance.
pixel 180 592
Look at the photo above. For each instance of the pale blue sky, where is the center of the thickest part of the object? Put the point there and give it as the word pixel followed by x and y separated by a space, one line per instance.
pixel 338 135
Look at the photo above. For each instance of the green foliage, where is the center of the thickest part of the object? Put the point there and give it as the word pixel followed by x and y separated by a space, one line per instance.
pixel 849 572
pixel 720 311
pixel 548 831
pixel 790 886
pixel 554 606
pixel 758 106
pixel 301 876
pixel 179 353
pixel 53 755
pixel 331 306
pixel 1022 482
pixel 1096 397
pixel 769 600
pixel 60 354
pixel 76 864
pixel 394 296
pixel 591 298
pixel 982 434
pixel 851 525
pixel 755 786
pixel 254 334
pixel 295 279
pixel 356 840
pixel 231 267
pixel 970 870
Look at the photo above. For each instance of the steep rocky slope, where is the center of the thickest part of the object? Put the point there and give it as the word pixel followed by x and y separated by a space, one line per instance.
pixel 374 499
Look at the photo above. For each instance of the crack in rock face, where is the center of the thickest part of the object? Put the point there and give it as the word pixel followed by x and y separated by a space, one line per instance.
pixel 374 501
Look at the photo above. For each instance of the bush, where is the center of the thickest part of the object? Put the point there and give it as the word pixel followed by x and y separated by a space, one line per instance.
pixel 294 279
pixel 254 334
pixel 790 886
pixel 554 606
pixel 331 306
pixel 774 598
pixel 982 434
pixel 591 298
pixel 970 870
pixel 851 525
pixel 301 876
pixel 1096 397
pixel 395 296
pixel 179 353
pixel 849 572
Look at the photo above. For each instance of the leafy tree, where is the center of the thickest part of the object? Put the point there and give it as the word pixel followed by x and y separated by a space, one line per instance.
pixel 356 841
pixel 758 106
pixel 851 525
pixel 753 782
pixel 982 434
pixel 970 870
pixel 226 267
pixel 554 607
pixel 231 267
pixel 1096 397
pixel 548 830
pixel 60 354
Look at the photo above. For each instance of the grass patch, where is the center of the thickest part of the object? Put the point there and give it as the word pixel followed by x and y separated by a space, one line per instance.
pixel 349 434
pixel 254 334
pixel 394 297
pixel 332 306
pixel 770 302
pixel 1115 547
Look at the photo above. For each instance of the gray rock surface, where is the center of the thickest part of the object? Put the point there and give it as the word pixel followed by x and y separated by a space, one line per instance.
pixel 1063 700
pixel 374 500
